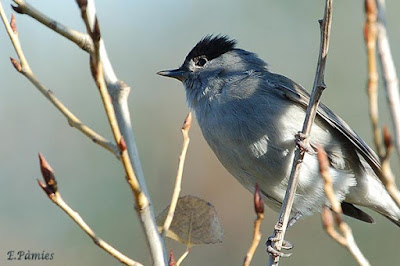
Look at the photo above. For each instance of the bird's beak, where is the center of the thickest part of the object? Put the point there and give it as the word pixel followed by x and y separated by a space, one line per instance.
pixel 178 74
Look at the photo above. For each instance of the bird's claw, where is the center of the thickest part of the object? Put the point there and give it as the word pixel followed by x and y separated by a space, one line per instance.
pixel 306 147
pixel 273 252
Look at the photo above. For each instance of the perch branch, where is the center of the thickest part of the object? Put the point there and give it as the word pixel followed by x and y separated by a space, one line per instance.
pixel 259 209
pixel 318 88
pixel 24 68
pixel 346 238
pixel 391 82
pixel 51 190
pixel 178 181
pixel 143 207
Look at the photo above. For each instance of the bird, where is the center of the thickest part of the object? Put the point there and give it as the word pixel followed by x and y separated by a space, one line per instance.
pixel 250 116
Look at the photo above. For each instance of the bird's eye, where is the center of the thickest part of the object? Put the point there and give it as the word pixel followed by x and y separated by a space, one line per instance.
pixel 201 61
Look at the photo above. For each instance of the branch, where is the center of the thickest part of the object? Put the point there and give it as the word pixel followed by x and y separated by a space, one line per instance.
pixel 346 238
pixel 51 190
pixel 81 39
pixel 391 82
pixel 24 68
pixel 175 196
pixel 118 90
pixel 142 201
pixel 259 209
pixel 370 34
pixel 318 87
pixel 373 25
pixel 387 176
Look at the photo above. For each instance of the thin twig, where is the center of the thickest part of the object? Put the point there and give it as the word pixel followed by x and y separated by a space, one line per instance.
pixel 24 68
pixel 118 90
pixel 346 238
pixel 81 39
pixel 184 255
pixel 391 82
pixel 178 181
pixel 143 207
pixel 318 87
pixel 387 176
pixel 391 85
pixel 370 34
pixel 259 209
pixel 51 190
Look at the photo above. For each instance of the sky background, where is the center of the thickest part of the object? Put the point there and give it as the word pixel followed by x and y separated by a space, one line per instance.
pixel 143 37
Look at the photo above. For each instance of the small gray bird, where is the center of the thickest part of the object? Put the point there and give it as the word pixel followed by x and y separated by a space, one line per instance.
pixel 249 116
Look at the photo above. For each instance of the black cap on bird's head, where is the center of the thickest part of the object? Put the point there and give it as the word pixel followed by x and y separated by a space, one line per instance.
pixel 208 48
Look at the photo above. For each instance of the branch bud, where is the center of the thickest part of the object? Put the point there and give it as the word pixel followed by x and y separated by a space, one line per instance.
pixel 327 218
pixel 122 144
pixel 13 24
pixel 387 138
pixel 258 201
pixel 188 122
pixel 171 261
pixel 16 64
pixel 48 175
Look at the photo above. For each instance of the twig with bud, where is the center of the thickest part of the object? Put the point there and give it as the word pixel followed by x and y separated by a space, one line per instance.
pixel 259 209
pixel 311 112
pixel 23 67
pixel 143 207
pixel 345 237
pixel 372 29
pixel 387 176
pixel 51 190
pixel 178 180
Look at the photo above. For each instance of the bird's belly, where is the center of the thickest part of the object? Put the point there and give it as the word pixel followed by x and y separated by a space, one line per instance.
pixel 268 164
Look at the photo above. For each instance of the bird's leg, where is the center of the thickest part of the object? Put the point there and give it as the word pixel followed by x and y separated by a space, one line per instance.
pixel 307 147
pixel 285 244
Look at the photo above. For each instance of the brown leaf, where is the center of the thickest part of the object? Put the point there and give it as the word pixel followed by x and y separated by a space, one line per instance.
pixel 195 222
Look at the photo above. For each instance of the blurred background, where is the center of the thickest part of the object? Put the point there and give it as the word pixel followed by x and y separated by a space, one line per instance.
pixel 143 37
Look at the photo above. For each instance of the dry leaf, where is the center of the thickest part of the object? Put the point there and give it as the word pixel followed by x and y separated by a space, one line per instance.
pixel 195 222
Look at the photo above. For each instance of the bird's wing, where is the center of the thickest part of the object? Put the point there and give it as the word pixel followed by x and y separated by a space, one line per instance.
pixel 295 92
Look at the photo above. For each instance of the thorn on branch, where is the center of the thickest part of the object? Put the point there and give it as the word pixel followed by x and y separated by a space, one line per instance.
pixel 13 24
pixel 16 64
pixel 50 187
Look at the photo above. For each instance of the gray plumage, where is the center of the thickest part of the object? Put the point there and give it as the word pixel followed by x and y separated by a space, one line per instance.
pixel 249 117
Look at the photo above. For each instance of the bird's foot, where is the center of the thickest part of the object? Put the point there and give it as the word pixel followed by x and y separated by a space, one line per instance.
pixel 304 146
pixel 271 249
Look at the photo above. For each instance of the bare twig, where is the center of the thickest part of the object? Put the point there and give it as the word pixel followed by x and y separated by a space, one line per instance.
pixel 118 90
pixel 184 255
pixel 142 201
pixel 178 181
pixel 387 176
pixel 318 87
pixel 391 82
pixel 81 39
pixel 51 190
pixel 24 68
pixel 259 209
pixel 370 34
pixel 374 29
pixel 346 238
